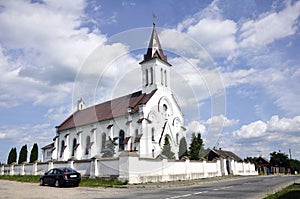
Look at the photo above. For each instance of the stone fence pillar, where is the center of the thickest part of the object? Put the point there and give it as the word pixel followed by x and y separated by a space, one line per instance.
pixel 2 170
pixel 12 169
pixel 94 167
pixel 34 168
pixel 50 165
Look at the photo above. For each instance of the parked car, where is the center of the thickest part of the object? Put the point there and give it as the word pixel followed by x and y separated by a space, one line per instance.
pixel 61 177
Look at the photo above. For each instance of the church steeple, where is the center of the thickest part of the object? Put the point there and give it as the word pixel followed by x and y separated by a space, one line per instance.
pixel 154 48
pixel 155 67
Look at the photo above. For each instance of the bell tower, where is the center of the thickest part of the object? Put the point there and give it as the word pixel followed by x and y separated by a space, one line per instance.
pixel 155 66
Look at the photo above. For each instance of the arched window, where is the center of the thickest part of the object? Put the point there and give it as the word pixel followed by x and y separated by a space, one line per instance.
pixel 62 148
pixel 146 77
pixel 74 146
pixel 87 145
pixel 162 76
pixel 121 140
pixel 152 134
pixel 103 141
pixel 151 76
pixel 166 84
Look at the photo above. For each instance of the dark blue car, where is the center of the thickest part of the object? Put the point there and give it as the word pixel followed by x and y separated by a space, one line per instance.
pixel 60 177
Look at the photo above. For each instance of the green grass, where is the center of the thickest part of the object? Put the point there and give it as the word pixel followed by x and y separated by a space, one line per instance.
pixel 85 182
pixel 290 192
pixel 18 178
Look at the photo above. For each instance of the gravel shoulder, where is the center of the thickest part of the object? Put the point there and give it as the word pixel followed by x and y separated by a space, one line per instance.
pixel 12 189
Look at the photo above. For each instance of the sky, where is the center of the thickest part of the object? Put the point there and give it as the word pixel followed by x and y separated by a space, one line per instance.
pixel 235 66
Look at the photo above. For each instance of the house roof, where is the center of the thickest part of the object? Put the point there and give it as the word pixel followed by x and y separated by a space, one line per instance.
pixel 262 161
pixel 106 110
pixel 49 146
pixel 225 154
pixel 154 49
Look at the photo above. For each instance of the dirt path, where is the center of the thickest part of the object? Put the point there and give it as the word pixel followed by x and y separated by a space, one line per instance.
pixel 11 189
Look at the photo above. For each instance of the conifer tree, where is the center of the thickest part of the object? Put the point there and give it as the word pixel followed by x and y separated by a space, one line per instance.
pixel 183 151
pixel 34 153
pixel 23 154
pixel 167 149
pixel 195 147
pixel 12 156
pixel 109 149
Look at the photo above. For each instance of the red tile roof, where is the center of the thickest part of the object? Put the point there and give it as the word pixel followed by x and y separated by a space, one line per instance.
pixel 106 110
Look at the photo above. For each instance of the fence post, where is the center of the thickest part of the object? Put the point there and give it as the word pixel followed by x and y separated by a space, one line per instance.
pixel 12 169
pixel 34 168
pixel 50 165
pixel 23 169
pixel 2 170
pixel 94 167
pixel 71 164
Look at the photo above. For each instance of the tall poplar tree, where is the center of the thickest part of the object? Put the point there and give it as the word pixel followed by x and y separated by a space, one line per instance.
pixel 167 149
pixel 34 153
pixel 183 151
pixel 195 147
pixel 23 154
pixel 12 156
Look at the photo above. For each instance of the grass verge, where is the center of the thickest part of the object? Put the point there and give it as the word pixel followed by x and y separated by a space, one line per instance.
pixel 85 182
pixel 290 192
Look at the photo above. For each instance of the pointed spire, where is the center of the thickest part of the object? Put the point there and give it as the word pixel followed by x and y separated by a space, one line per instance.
pixel 154 48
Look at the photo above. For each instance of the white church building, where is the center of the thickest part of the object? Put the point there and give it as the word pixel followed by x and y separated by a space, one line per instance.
pixel 124 137
pixel 137 122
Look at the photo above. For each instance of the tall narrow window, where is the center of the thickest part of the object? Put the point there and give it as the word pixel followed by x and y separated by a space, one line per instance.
pixel 87 146
pixel 103 141
pixel 152 134
pixel 151 76
pixel 162 76
pixel 121 140
pixel 136 132
pixel 62 148
pixel 74 146
pixel 177 138
pixel 146 77
pixel 166 78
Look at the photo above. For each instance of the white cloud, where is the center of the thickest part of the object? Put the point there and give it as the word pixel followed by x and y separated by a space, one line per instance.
pixel 216 35
pixel 262 138
pixel 42 48
pixel 270 27
pixel 254 129
pixel 220 121
pixel 276 129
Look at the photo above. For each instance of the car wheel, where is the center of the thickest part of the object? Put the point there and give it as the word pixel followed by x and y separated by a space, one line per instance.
pixel 76 184
pixel 56 184
pixel 41 182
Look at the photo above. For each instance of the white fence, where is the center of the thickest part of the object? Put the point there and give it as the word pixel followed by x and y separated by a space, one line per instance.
pixel 133 169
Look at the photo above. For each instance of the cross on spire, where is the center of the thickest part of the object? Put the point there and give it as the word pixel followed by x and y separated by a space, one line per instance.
pixel 154 19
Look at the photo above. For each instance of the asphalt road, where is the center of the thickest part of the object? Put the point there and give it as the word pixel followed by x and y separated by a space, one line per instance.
pixel 241 187
pixel 255 187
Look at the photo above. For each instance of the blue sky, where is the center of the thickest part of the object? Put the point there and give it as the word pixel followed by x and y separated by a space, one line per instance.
pixel 235 70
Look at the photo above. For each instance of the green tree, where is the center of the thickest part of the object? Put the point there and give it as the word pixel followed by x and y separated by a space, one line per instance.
pixel 279 159
pixel 295 165
pixel 251 160
pixel 23 154
pixel 34 153
pixel 109 149
pixel 167 149
pixel 195 147
pixel 183 151
pixel 12 156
